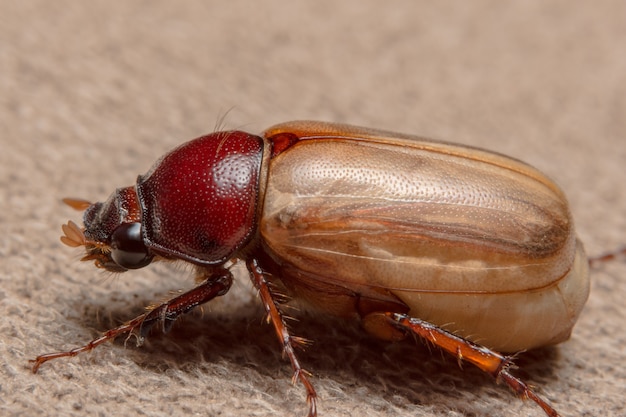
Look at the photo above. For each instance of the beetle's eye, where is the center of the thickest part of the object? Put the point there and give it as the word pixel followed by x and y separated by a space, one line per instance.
pixel 127 247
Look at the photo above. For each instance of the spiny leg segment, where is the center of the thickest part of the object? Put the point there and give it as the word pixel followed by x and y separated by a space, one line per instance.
pixel 218 283
pixel 489 361
pixel 595 261
pixel 287 341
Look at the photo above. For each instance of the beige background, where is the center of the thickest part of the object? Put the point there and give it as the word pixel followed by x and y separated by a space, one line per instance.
pixel 91 93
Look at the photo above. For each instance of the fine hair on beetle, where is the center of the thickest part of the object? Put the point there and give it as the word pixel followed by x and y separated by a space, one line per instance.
pixel 470 251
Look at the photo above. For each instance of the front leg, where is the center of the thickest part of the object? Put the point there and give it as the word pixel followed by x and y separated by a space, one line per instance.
pixel 216 282
pixel 286 340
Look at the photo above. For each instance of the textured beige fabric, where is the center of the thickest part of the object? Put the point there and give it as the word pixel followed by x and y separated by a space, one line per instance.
pixel 92 93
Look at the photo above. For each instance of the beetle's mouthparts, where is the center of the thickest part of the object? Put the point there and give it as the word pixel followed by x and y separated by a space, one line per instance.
pixel 77 203
pixel 73 236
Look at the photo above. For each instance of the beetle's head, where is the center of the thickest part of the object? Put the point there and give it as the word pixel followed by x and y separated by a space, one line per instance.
pixel 112 235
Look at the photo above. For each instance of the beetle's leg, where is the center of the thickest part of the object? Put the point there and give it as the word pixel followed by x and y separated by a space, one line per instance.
pixel 215 285
pixel 287 341
pixel 605 257
pixel 489 361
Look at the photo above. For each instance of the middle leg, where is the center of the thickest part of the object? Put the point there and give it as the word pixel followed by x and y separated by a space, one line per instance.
pixel 282 332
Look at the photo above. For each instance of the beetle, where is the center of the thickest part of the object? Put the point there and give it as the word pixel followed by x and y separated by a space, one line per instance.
pixel 470 250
